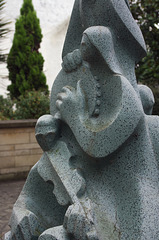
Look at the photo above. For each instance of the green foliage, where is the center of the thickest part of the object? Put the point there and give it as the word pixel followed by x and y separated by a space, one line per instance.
pixel 31 105
pixel 25 62
pixel 6 108
pixel 156 94
pixel 3 31
pixel 146 12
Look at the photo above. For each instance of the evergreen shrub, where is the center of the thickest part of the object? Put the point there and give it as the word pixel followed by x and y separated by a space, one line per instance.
pixel 25 62
pixel 29 106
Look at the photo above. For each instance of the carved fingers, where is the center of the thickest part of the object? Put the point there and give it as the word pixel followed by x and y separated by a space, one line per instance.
pixel 70 103
pixel 77 224
pixel 66 102
pixel 63 96
pixel 72 60
pixel 27 226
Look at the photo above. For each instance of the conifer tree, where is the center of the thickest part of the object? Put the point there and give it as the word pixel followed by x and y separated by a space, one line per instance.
pixel 25 62
pixel 146 12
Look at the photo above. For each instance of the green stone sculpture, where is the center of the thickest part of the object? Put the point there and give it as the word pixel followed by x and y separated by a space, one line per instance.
pixel 98 176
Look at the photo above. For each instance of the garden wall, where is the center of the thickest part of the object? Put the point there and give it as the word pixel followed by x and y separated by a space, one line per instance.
pixel 19 150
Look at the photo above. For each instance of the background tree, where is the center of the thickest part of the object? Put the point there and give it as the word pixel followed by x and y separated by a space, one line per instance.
pixel 146 12
pixel 25 62
pixel 3 31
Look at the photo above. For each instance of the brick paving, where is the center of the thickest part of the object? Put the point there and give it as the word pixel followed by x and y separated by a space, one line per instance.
pixel 9 192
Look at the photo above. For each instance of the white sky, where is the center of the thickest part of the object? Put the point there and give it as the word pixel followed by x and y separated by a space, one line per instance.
pixel 52 13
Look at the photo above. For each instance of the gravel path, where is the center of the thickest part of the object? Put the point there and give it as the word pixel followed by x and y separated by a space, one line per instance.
pixel 9 192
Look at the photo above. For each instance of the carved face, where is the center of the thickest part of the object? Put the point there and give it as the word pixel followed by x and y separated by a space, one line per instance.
pixel 87 49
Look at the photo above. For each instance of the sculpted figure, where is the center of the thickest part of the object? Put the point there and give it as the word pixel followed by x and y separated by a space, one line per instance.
pixel 98 176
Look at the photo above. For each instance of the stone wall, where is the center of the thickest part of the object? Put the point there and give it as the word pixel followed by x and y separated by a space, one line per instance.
pixel 19 150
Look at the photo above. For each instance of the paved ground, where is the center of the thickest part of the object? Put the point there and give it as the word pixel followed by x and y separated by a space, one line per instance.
pixel 9 191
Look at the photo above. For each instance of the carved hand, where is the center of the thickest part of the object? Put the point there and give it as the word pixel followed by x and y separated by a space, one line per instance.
pixel 70 103
pixel 77 224
pixel 27 226
pixel 72 60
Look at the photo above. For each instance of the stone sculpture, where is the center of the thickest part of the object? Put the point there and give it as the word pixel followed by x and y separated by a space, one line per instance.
pixel 98 176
